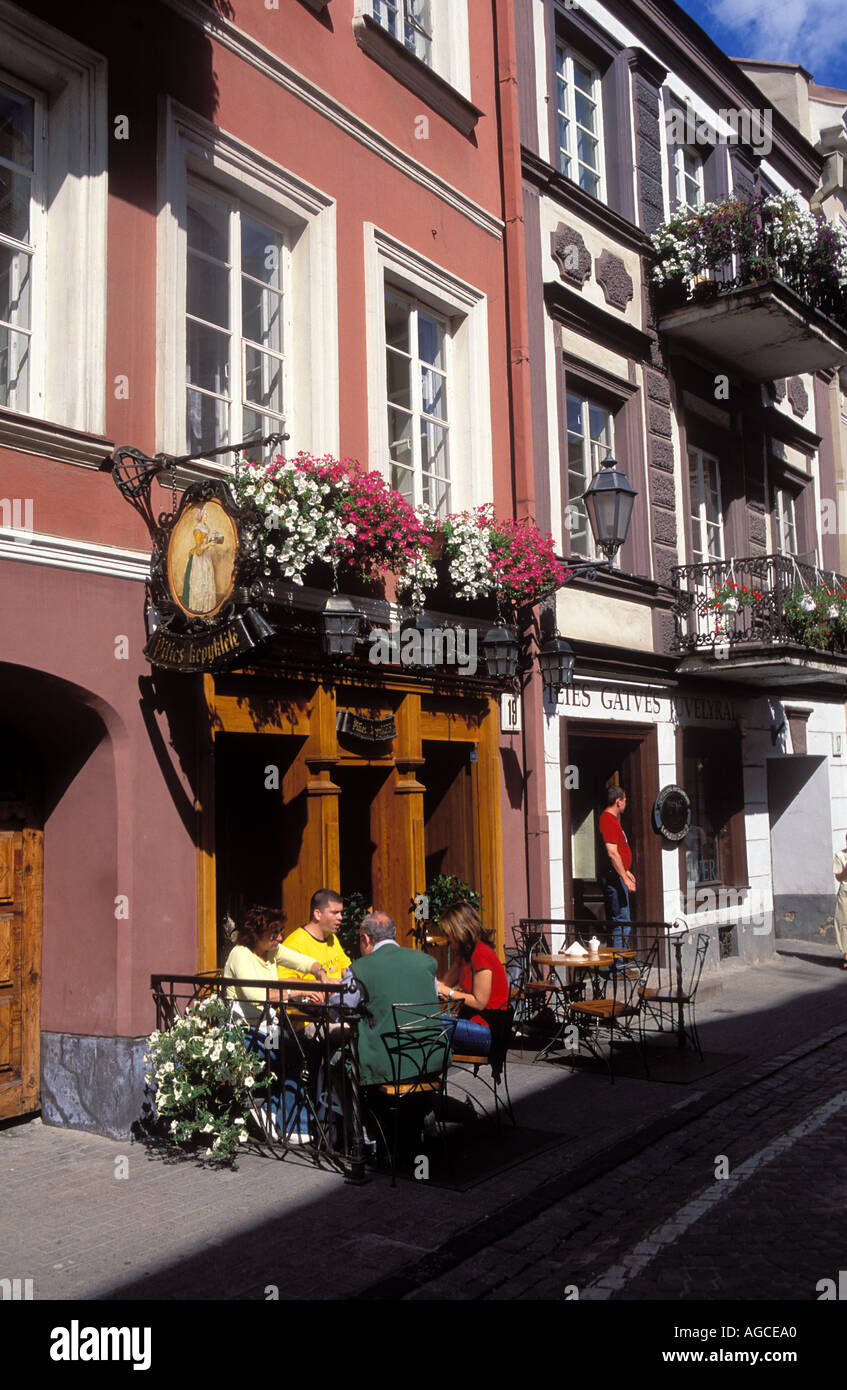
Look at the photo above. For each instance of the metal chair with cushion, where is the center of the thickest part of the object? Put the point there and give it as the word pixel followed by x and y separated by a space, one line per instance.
pixel 541 988
pixel 678 996
pixel 620 1014
pixel 419 1052
pixel 500 1022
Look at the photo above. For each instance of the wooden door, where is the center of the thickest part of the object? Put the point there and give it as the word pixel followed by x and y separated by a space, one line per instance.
pixel 21 859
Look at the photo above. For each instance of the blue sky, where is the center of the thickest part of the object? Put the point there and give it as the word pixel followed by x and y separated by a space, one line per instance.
pixel 810 32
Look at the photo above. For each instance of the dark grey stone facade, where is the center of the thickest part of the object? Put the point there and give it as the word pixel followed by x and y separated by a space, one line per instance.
pixel 91 1083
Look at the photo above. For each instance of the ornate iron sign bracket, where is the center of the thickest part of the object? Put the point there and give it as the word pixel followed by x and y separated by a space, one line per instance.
pixel 205 565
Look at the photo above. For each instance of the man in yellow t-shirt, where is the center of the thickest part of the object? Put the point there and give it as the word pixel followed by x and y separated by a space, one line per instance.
pixel 317 939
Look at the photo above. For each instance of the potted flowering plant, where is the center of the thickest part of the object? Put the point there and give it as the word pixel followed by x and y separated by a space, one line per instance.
pixel 764 238
pixel 511 560
pixel 816 617
pixel 326 510
pixel 204 1079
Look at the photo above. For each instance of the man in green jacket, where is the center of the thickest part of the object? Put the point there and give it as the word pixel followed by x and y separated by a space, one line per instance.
pixel 389 974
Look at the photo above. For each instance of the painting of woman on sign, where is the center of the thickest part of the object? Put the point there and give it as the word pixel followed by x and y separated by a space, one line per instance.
pixel 201 559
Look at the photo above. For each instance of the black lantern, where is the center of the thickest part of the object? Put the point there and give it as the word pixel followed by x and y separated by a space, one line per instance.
pixel 259 626
pixel 556 660
pixel 428 646
pixel 340 626
pixel 501 650
pixel 608 501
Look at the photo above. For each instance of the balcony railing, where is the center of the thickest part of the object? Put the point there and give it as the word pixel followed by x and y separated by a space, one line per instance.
pixel 293 1064
pixel 760 601
pixel 757 283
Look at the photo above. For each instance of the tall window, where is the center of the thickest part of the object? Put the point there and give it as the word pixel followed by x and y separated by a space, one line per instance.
pixel 417 346
pixel 580 133
pixel 410 21
pixel 786 522
pixel 712 776
pixel 20 222
pixel 688 179
pixel 235 323
pixel 589 443
pixel 704 490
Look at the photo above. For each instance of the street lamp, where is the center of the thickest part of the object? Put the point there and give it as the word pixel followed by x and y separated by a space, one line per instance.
pixel 556 662
pixel 428 648
pixel 608 501
pixel 501 650
pixel 340 626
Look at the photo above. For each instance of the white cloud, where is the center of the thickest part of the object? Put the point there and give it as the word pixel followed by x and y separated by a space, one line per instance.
pixel 810 32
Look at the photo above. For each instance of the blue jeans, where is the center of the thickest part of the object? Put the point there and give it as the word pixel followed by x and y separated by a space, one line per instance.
pixel 470 1037
pixel 285 1103
pixel 616 897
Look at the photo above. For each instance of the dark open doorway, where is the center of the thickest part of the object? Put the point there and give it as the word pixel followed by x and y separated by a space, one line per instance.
pixel 597 756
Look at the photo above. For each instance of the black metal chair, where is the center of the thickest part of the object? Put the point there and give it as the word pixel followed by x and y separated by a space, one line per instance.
pixel 541 988
pixel 680 996
pixel 500 1023
pixel 419 1052
pixel 618 1013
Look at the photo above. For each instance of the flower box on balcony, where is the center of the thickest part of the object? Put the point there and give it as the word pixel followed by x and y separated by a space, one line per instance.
pixel 755 282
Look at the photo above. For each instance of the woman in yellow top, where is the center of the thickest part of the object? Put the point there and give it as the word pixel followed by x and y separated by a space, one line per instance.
pixel 256 956
pixel 258 953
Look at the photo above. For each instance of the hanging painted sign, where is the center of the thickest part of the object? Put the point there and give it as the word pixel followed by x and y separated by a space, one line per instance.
pixel 672 813
pixel 206 554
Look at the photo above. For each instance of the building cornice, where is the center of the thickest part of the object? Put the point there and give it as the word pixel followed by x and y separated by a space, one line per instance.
pixel 26 435
pixel 780 426
pixel 63 552
pixel 580 204
pixel 263 60
pixel 579 314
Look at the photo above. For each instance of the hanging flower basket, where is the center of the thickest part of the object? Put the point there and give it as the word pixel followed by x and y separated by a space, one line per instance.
pixel 816 617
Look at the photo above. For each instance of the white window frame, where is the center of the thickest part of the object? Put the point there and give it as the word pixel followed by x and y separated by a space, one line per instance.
pixel 388 261
pixel 571 56
pixel 701 457
pixel 193 148
pixel 236 401
pixel 400 15
pixel 588 460
pixel 68 366
pixel 680 176
pixel 36 249
pixel 416 411
pixel 786 520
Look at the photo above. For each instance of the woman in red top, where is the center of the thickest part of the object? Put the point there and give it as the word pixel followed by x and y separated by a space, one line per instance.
pixel 477 978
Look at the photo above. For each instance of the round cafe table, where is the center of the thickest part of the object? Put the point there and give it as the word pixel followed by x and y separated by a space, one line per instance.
pixel 596 961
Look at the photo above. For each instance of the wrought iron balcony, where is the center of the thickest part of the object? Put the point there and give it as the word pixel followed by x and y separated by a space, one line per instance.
pixel 755 283
pixel 764 619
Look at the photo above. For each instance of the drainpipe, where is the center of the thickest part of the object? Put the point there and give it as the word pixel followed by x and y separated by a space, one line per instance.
pixel 536 832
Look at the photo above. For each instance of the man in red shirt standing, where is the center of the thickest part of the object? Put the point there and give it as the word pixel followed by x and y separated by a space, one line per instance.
pixel 618 880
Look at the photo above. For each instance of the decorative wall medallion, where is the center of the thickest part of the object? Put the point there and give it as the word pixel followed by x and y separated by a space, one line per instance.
pixel 571 255
pixel 798 396
pixel 614 279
